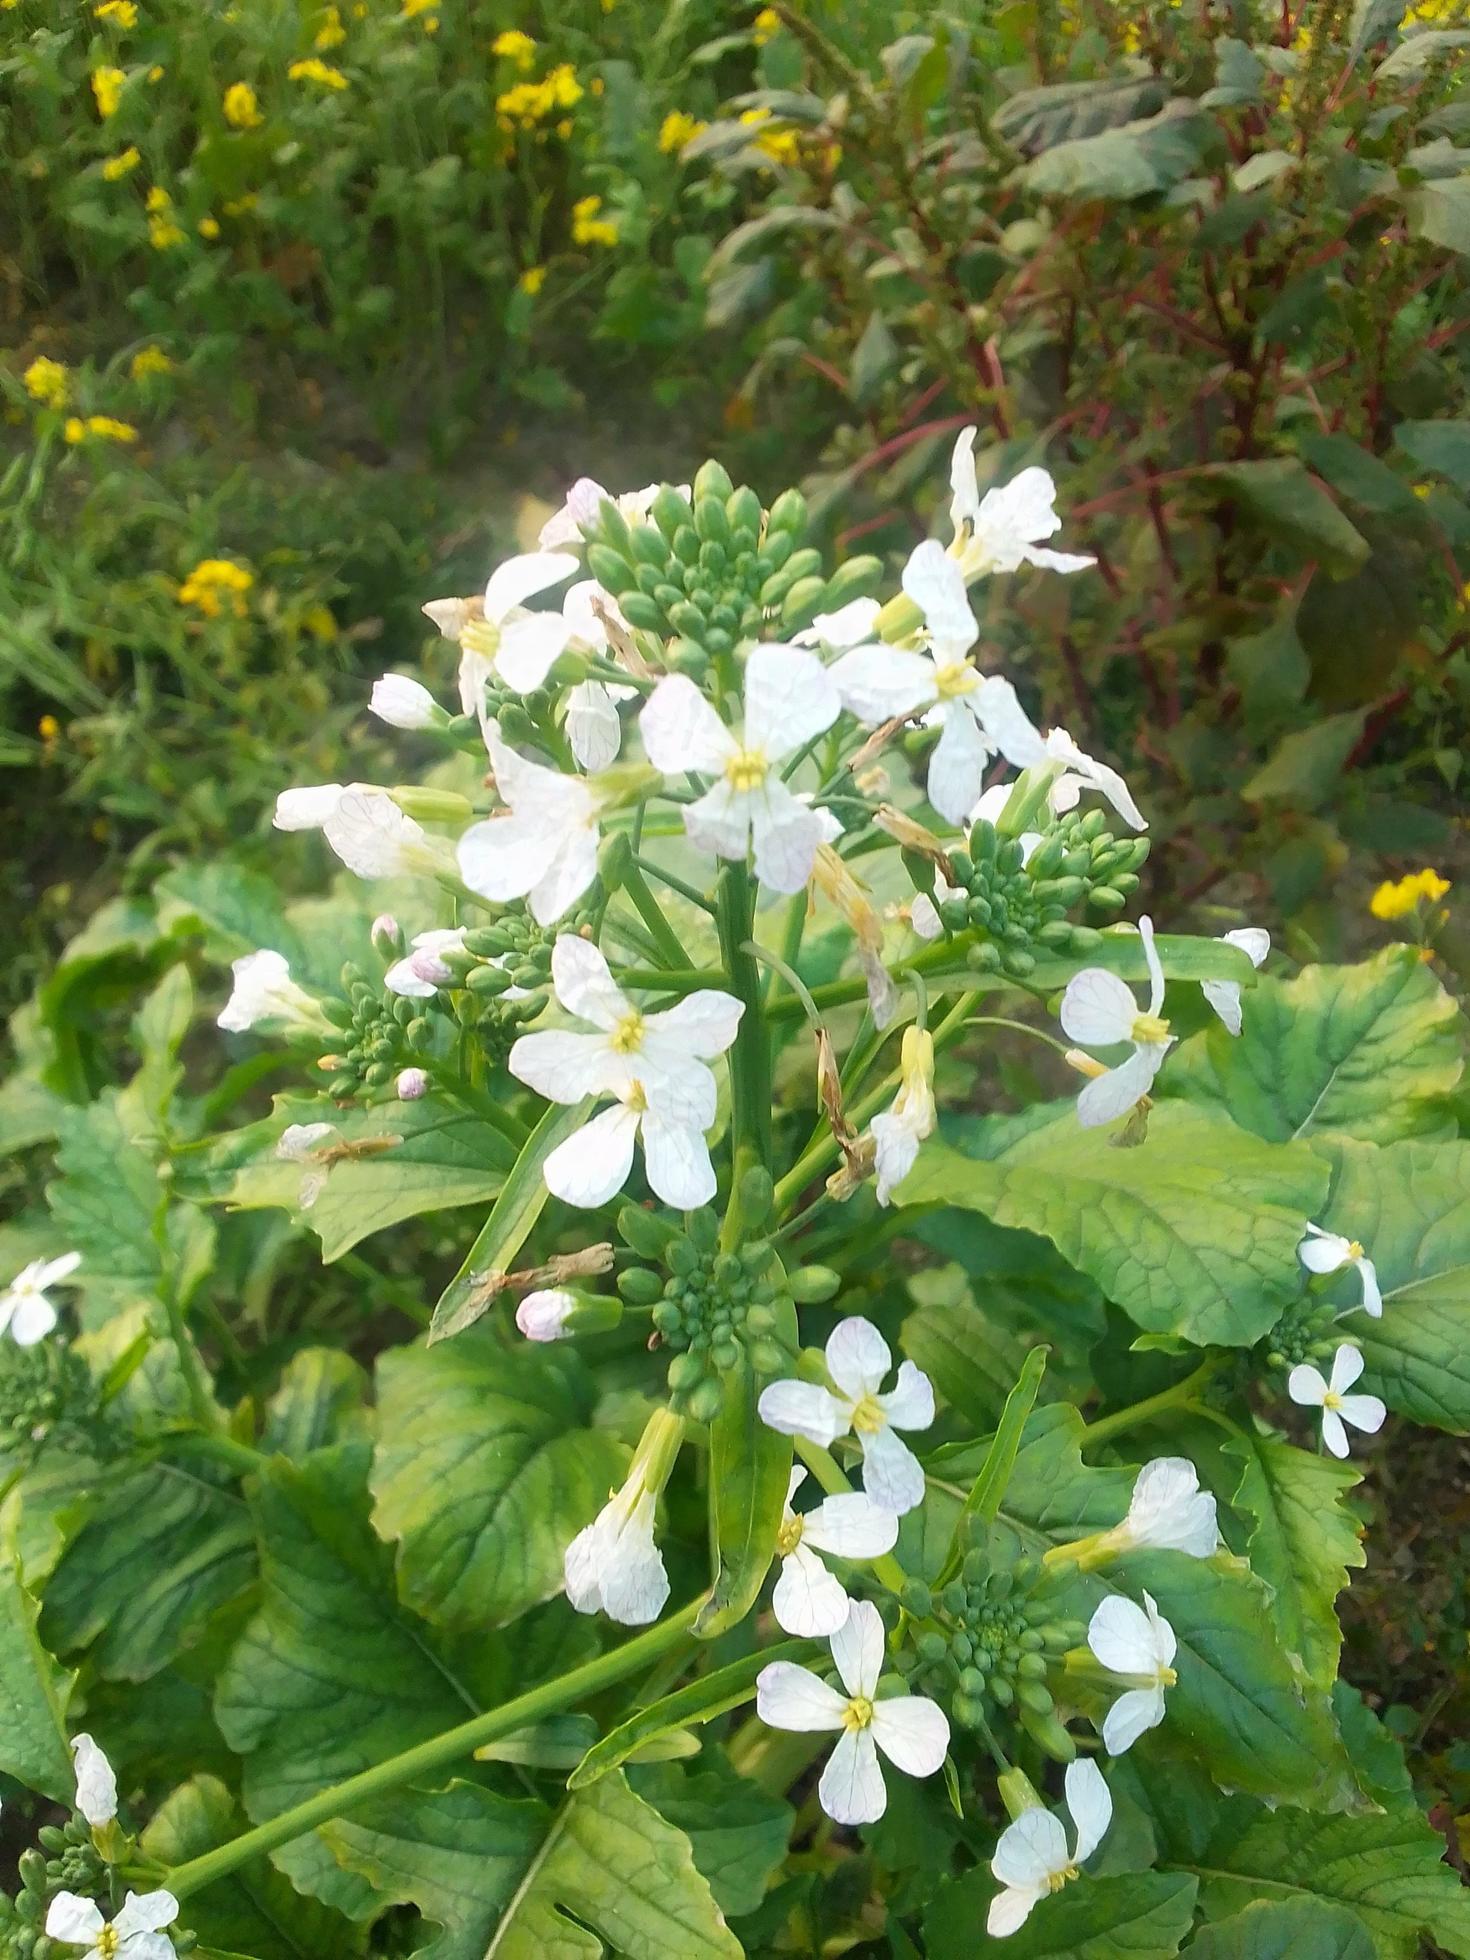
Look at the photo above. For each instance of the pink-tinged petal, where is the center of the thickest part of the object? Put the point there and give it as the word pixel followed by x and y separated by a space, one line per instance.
pixel 1347 1365
pixel 808 1599
pixel 73 1920
pixel 1110 1096
pixel 677 1160
pixel 858 1357
pixel 1097 1009
pixel 912 1732
pixel 584 983
pixel 1030 1850
pixel 564 1067
pixel 565 879
pixel 519 579
pixel 909 1404
pixel 935 583
pixel 791 1697
pixel 703 1024
pixel 789 698
pixel 565 526
pixel 1091 1803
pixel 850 1525
pixel 857 1648
pixel 1333 1433
pixel 803 1409
pixel 593 1165
pixel 1365 1412
pixel 892 1475
pixel 1306 1385
pixel 786 834
pixel 681 731
pixel 852 1790
pixel 878 683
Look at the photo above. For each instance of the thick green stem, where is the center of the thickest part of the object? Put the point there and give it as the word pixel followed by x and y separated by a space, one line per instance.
pixel 651 912
pixel 1167 1399
pixel 435 1754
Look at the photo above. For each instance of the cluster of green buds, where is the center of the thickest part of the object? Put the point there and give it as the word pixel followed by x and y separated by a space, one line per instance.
pixel 1306 1332
pixel 379 1034
pixel 990 1639
pixel 713 570
pixel 48 1395
pixel 71 1862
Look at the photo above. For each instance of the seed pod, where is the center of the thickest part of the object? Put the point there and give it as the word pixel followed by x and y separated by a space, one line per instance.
pixel 1047 1732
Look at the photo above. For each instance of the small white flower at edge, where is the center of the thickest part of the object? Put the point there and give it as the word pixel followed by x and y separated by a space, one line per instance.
pixel 1224 995
pixel 543 847
pixel 1169 1512
pixel 1099 1011
pixel 911 1730
pixel 1366 1412
pixel 308 807
pixel 405 703
pixel 96 1784
pixel 1012 731
pixel 585 498
pixel 789 699
pixel 263 990
pixel 808 1599
pixel 613 1565
pixel 858 1361
pixel 26 1313
pixel 847 627
pixel 1329 1252
pixel 135 1934
pixel 902 1127
pixel 1032 1858
pixel 593 727
pixel 1138 1642
pixel 1004 528
pixel 375 839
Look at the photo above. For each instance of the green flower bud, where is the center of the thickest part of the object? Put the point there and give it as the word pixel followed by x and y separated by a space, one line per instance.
pixel 787 514
pixel 712 482
pixel 757 1194
pixel 639 1286
pixel 640 611
pixel 1049 1735
pixel 704 1403
pixel 743 509
pixel 646 1234
pixel 810 1285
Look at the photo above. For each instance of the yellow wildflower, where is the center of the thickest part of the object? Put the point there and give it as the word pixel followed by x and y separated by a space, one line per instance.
pixel 1424 491
pixel 320 622
pixel 122 13
pixel 236 207
pixel 75 429
pixel 532 279
pixel 241 107
pixel 164 234
pixel 778 144
pixel 677 129
pixel 147 362
pixel 208 227
pixel 515 47
pixel 46 381
pixel 211 582
pixel 106 428
pixel 312 70
pixel 588 228
pixel 765 27
pixel 155 73
pixel 566 90
pixel 331 33
pixel 1397 901
pixel 158 199
pixel 119 166
pixel 414 7
pixel 107 88
pixel 48 728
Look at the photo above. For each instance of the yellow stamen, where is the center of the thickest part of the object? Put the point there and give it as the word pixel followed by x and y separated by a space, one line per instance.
pixel 107 1942
pixel 636 1099
pixel 788 1537
pixel 858 1714
pixel 627 1036
pixel 747 769
pixel 1149 1029
pixel 1355 1250
pixel 867 1416
pixel 959 677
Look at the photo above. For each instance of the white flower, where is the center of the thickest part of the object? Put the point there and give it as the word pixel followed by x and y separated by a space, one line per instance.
pixel 374 838
pixel 808 1598
pixel 1329 1252
pixel 910 1118
pixel 656 1066
pixel 579 513
pixel 1003 529
pixel 544 848
pixel 592 724
pixel 1099 1011
pixel 421 972
pixel 857 1361
pixel 1139 1642
pixel 1366 1412
pixel 911 1730
pixel 847 627
pixel 613 1565
pixel 1032 1858
pixel 264 991
pixel 1169 1512
pixel 1224 995
pixel 500 639
pixel 880 683
pixel 25 1312
pixel 302 1143
pixel 133 1935
pixel 404 703
pixel 543 1315
pixel 307 808
pixel 1023 745
pixel 96 1784
pixel 789 699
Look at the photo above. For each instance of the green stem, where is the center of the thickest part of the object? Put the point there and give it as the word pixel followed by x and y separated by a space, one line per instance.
pixel 435 1754
pixel 750 1058
pixel 1106 1427
pixel 651 912
pixel 670 980
pixel 685 891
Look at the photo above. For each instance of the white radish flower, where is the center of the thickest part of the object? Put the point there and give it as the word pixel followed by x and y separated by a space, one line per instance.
pixel 1032 1860
pixel 808 1599
pixel 1138 1643
pixel 308 807
pixel 26 1312
pixel 1012 731
pixel 96 1784
pixel 613 1565
pixel 263 990
pixel 375 839
pixel 593 727
pixel 1366 1412
pixel 405 703
pixel 578 514
pixel 656 1065
pixel 911 1116
pixel 498 638
pixel 1330 1252
pixel 135 1934
pixel 1004 528
pixel 880 683
pixel 858 1361
pixel 543 1315
pixel 911 1730
pixel 1099 1011
pixel 422 971
pixel 789 699
pixel 849 626
pixel 543 847
pixel 1224 995
pixel 1169 1512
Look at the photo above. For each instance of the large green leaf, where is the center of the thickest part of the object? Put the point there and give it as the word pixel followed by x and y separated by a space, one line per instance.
pixel 1052 1495
pixel 1302 1542
pixel 1285 500
pixel 1192 1232
pixel 737 1830
pixel 1132 161
pixel 484 1472
pixel 1288 1929
pixel 107 1202
pixel 1409 1204
pixel 320 1400
pixel 971 1362
pixel 1138 1916
pixel 1440 446
pixel 34 1691
pixel 1371 1051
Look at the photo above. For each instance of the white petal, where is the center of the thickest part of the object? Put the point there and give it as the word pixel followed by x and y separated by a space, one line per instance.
pixel 1097 775
pixel 147 1946
pixel 850 1525
pixel 858 1357
pixel 635 1587
pixel 1170 1512
pixel 1059 561
pixel 1347 1365
pixel 681 731
pixel 1372 1296
pixel 529 649
pixel 518 579
pixel 677 1160
pixel 73 1920
pixel 504 857
pixel 851 1790
pixel 909 1404
pixel 1151 960
pixel 1120 1636
pixel 803 1409
pixel 1007 723
pixel 957 766
pixel 791 1697
pixel 1031 1850
pixel 583 1562
pixel 1323 1252
pixel 371 834
pixel 564 1067
pixel 924 919
pixel 1161 1632
pixel 1109 1096
pixel 1016 514
pixel 1365 1412
pixel 307 808
pixel 53 1271
pixel 570 872
pixel 1333 1433
pixel 1097 1009
pixel 96 1784
pixel 1010 1909
pixel 786 834
pixel 935 583
pixel 964 505
pixel 566 525
pixel 403 703
pixel 32 1319
pixel 584 983
pixel 704 1023
pixel 808 1599
pixel 912 1732
pixel 402 978
pixel 1306 1385
pixel 720 821
pixel 593 1165
pixel 878 683
pixel 892 1476
pixel 789 698
pixel 843 628
pixel 146 1912
pixel 1253 941
pixel 1130 1716
pixel 542 1315
pixel 857 1648
pixel 1224 997
pixel 1091 1804
pixel 593 726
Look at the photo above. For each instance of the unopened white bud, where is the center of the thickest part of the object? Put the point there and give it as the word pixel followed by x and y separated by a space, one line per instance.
pixel 412 1085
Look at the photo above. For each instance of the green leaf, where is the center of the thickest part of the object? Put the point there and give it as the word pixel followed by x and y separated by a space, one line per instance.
pixel 1183 956
pixel 1357 474
pixel 750 1468
pixel 1034 119
pixel 1371 1051
pixel 1439 210
pixel 1292 1929
pixel 484 1472
pixel 107 1199
pixel 698 1701
pixel 994 1474
pixel 1139 1916
pixel 322 1399
pixel 738 1831
pixel 1134 161
pixel 522 1200
pixel 1302 1542
pixel 254 1910
pixel 1192 1232
pixel 30 1113
pixel 1440 446
pixel 777 223
pixel 34 1691
pixel 1281 496
pixel 1305 767
pixel 971 1362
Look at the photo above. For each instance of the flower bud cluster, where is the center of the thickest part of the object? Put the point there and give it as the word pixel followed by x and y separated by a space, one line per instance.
pixel 713 570
pixel 1306 1332
pixel 48 1395
pixel 379 1030
pixel 73 1863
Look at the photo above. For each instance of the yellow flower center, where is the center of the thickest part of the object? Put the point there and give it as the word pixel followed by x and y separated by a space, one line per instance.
pixel 1355 1250
pixel 867 1416
pixel 627 1036
pixel 858 1714
pixel 1167 1677
pixel 1332 1400
pixel 1150 1029
pixel 1056 1880
pixel 788 1537
pixel 959 677
pixel 636 1099
pixel 747 769
pixel 107 1942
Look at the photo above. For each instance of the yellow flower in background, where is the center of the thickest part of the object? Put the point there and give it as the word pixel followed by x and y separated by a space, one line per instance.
pixel 119 166
pixel 238 206
pixel 677 129
pixel 208 227
pixel 47 381
pixel 778 144
pixel 515 47
pixel 312 70
pixel 319 621
pixel 765 27
pixel 1397 901
pixel 532 279
pixel 158 199
pixel 163 233
pixel 155 73
pixel 106 428
pixel 331 33
pixel 588 228
pixel 48 728
pixel 107 88
pixel 565 90
pixel 411 8
pixel 147 362
pixel 212 582
pixel 121 13
pixel 241 106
